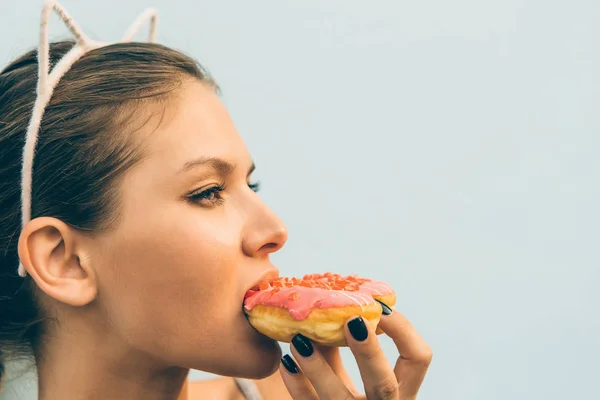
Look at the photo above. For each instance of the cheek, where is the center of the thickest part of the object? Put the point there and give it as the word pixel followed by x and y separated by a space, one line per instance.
pixel 181 241
pixel 161 267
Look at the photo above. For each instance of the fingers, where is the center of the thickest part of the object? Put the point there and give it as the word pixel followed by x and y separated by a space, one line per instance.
pixel 331 355
pixel 408 341
pixel 295 381
pixel 315 372
pixel 377 375
pixel 415 354
pixel 318 373
pixel 385 310
pixel 333 358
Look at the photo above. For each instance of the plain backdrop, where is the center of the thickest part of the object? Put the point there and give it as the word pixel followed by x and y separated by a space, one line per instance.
pixel 449 148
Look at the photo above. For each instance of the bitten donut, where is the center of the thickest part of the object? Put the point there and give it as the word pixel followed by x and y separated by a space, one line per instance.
pixel 316 306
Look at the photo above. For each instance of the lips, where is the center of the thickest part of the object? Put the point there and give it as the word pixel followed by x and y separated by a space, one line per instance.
pixel 251 292
pixel 255 288
pixel 267 276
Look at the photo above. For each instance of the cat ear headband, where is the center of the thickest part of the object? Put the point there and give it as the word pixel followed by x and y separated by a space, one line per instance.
pixel 47 81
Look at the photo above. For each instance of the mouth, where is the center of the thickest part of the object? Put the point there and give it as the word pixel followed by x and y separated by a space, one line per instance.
pixel 266 276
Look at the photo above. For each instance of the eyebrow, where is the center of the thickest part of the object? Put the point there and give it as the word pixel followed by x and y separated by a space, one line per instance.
pixel 220 165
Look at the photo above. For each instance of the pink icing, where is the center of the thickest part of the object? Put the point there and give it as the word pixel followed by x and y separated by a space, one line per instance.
pixel 301 300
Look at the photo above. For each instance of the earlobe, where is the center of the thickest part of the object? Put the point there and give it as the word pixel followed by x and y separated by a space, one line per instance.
pixel 51 252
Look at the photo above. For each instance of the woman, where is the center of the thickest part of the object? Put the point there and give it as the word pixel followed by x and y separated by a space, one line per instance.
pixel 145 233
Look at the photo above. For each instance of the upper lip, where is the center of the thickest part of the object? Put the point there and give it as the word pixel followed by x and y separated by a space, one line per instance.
pixel 271 273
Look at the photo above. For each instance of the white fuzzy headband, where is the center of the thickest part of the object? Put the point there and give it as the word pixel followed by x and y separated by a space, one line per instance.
pixel 47 81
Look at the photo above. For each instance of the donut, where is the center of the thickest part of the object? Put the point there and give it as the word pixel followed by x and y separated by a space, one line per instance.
pixel 316 306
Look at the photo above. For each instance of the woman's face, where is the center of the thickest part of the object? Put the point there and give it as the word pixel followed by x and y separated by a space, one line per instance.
pixel 192 238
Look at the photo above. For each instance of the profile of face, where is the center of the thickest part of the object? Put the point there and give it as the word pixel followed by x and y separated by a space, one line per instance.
pixel 192 237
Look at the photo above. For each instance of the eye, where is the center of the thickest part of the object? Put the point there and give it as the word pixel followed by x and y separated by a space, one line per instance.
pixel 211 196
pixel 254 186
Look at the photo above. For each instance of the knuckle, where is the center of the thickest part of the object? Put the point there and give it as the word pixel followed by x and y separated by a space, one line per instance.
pixel 425 356
pixel 386 390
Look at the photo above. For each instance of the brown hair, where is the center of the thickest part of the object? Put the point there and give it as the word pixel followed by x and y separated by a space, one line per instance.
pixel 81 153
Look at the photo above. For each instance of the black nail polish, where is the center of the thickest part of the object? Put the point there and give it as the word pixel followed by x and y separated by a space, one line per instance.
pixel 289 364
pixel 358 329
pixel 387 310
pixel 303 345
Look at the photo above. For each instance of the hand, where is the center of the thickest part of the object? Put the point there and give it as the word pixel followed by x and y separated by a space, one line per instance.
pixel 320 374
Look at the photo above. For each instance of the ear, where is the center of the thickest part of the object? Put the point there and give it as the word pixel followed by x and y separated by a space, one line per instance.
pixel 52 253
pixel 47 81
pixel 45 86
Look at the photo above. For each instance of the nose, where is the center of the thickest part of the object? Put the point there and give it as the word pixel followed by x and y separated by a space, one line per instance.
pixel 265 234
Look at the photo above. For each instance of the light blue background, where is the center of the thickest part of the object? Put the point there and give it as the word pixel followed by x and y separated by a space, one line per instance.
pixel 447 147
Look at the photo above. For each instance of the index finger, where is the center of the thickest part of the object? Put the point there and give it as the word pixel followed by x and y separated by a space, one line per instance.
pixel 379 380
pixel 333 358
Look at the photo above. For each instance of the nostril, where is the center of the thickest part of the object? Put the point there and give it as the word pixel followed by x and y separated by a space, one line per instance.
pixel 269 247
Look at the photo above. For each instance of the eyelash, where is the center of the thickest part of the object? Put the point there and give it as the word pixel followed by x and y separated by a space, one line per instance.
pixel 205 195
pixel 255 186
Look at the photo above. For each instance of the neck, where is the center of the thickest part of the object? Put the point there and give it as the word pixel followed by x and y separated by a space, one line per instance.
pixel 93 365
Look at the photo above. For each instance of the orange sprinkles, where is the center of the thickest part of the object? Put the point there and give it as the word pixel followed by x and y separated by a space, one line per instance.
pixel 328 280
pixel 293 296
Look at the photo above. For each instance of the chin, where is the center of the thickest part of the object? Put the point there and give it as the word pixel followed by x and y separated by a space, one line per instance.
pixel 250 355
pixel 262 361
pixel 250 361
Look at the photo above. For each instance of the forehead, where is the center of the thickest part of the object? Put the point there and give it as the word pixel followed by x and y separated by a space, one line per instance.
pixel 193 123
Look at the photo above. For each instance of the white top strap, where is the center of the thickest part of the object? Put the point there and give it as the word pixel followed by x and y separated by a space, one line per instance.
pixel 248 389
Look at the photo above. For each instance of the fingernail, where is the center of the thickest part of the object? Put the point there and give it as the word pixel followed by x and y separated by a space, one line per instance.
pixel 303 345
pixel 358 329
pixel 386 309
pixel 289 364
